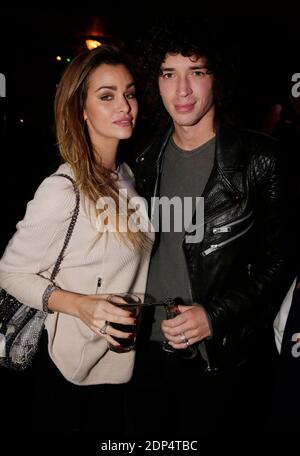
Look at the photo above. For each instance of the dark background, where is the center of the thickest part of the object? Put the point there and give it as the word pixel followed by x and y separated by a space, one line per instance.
pixel 266 48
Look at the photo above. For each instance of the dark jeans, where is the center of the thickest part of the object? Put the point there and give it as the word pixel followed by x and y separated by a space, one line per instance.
pixel 169 397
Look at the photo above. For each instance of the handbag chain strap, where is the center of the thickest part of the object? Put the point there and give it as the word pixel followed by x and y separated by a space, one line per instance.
pixel 60 258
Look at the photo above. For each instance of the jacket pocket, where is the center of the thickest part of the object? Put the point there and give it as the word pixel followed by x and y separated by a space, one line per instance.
pixel 232 225
pixel 225 229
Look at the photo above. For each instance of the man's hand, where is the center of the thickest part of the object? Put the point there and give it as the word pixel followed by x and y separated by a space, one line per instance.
pixel 192 324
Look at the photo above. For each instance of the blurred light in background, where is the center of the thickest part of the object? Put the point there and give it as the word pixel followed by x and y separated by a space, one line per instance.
pixel 92 44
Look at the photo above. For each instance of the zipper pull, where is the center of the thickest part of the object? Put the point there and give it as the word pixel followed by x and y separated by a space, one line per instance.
pixel 222 229
pixel 211 249
pixel 99 282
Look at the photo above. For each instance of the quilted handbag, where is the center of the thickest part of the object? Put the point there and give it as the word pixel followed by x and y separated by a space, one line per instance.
pixel 21 326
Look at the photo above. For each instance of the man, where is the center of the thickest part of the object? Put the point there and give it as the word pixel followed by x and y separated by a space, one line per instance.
pixel 228 280
pixel 285 406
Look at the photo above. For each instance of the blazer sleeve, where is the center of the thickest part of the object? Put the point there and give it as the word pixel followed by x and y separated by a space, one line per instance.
pixel 39 237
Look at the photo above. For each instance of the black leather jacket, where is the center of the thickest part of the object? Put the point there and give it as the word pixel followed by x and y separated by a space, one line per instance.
pixel 235 271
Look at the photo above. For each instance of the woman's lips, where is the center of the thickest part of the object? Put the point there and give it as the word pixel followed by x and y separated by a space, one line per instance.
pixel 123 123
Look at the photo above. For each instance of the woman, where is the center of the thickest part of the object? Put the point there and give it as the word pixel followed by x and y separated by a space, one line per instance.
pixel 95 108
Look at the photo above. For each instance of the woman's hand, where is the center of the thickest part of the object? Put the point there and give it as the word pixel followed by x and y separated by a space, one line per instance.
pixel 95 311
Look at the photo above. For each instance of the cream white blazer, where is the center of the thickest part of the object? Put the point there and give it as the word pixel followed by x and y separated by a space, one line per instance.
pixel 81 355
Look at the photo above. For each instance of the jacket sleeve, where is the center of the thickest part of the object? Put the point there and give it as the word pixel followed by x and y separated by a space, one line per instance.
pixel 256 300
pixel 39 237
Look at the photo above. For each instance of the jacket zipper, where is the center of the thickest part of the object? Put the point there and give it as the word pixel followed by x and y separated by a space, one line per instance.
pixel 189 281
pixel 209 369
pixel 227 228
pixel 99 283
pixel 214 247
pixel 159 168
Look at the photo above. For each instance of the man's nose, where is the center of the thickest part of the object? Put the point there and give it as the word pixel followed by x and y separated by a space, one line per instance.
pixel 183 87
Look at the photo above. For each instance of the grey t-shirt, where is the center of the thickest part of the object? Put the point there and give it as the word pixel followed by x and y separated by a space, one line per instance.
pixel 184 174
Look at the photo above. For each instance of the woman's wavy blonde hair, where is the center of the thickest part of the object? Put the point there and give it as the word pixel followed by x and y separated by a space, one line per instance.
pixel 74 143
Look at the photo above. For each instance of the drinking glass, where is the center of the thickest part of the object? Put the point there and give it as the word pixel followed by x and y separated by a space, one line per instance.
pixel 171 307
pixel 133 303
pixel 171 312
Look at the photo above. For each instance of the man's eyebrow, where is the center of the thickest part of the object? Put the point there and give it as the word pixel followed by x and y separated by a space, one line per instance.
pixel 193 67
pixel 113 87
pixel 198 67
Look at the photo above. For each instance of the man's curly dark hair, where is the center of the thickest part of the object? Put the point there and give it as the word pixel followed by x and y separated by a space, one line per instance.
pixel 187 37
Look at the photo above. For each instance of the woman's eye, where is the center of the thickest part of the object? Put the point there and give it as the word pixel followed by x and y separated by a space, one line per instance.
pixel 106 97
pixel 131 96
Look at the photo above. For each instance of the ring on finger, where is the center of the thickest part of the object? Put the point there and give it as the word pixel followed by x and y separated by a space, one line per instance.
pixel 183 338
pixel 103 330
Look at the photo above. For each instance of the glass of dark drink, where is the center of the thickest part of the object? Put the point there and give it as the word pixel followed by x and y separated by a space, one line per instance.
pixel 133 303
pixel 171 307
pixel 171 312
